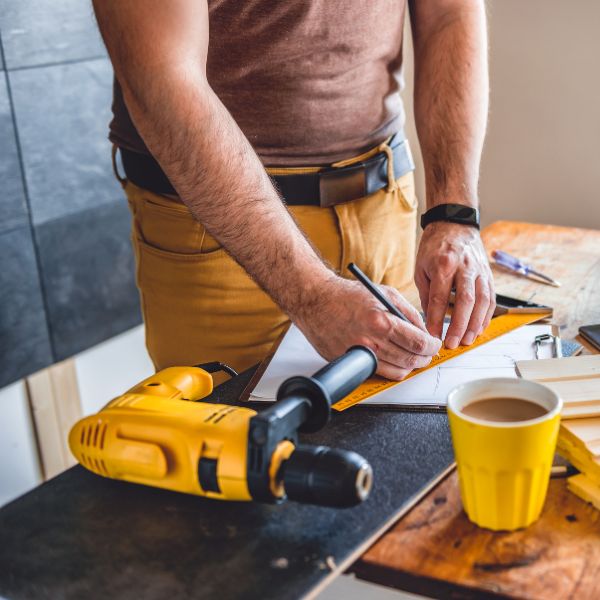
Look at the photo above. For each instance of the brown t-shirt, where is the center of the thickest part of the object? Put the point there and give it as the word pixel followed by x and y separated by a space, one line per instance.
pixel 308 81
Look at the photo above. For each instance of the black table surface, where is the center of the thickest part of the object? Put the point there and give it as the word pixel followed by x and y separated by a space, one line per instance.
pixel 83 536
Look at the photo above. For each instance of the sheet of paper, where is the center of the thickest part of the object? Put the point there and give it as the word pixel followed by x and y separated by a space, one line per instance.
pixel 295 356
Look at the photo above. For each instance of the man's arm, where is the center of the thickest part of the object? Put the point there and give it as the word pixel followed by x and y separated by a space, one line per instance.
pixel 159 50
pixel 451 104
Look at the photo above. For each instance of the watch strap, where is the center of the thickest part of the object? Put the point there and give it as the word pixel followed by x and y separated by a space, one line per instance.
pixel 452 213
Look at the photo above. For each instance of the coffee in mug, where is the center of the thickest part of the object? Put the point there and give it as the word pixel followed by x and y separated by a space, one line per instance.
pixel 504 410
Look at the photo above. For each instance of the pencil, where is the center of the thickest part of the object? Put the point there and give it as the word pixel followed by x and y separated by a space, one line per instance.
pixel 375 291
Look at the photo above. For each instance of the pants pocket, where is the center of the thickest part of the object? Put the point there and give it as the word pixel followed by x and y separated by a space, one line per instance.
pixel 379 233
pixel 168 225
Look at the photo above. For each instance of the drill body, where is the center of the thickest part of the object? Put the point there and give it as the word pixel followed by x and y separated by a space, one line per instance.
pixel 160 434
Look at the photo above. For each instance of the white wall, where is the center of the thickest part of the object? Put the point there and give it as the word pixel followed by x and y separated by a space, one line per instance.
pixel 111 368
pixel 19 462
pixel 542 151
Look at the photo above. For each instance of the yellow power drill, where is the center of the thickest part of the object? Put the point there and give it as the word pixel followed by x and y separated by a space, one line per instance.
pixel 158 434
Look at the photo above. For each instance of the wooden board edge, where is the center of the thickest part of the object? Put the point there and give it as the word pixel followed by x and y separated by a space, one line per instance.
pixel 42 406
pixel 362 548
pixel 424 586
pixel 55 405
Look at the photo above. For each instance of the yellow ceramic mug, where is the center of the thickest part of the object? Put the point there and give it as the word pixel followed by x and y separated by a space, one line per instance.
pixel 503 468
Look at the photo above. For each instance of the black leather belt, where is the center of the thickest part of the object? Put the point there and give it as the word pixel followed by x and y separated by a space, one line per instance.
pixel 331 185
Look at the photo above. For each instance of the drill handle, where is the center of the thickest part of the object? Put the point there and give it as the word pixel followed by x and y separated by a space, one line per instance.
pixel 344 374
pixel 330 384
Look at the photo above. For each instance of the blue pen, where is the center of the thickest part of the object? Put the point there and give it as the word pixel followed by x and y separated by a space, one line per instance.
pixel 518 266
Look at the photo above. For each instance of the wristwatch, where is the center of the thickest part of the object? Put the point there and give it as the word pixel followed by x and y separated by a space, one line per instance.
pixel 453 213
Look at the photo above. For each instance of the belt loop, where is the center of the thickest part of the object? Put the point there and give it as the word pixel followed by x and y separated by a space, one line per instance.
pixel 122 180
pixel 385 147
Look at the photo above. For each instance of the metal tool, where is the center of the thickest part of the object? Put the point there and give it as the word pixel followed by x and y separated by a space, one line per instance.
pixel 518 266
pixel 548 337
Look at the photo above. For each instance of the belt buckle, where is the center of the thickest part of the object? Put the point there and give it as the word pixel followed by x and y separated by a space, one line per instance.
pixel 342 185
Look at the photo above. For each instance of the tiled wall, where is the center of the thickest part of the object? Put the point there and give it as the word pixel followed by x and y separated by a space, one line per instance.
pixel 66 267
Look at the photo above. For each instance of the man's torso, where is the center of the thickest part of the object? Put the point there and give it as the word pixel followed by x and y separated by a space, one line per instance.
pixel 308 82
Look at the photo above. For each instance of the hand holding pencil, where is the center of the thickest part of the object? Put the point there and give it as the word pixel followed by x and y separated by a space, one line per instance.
pixel 377 316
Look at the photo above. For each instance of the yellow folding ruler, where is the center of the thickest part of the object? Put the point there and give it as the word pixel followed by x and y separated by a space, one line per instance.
pixel 512 314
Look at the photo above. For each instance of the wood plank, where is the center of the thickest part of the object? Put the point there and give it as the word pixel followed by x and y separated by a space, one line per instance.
pixel 585 488
pixel 557 369
pixel 580 411
pixel 586 431
pixel 435 549
pixel 579 391
pixel 45 420
pixel 56 406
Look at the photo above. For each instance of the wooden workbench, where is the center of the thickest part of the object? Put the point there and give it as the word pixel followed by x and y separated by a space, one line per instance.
pixel 434 549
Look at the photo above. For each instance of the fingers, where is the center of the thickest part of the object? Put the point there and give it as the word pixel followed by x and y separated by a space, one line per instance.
pixel 415 341
pixel 439 292
pixel 401 358
pixel 492 308
pixel 402 348
pixel 480 311
pixel 463 307
pixel 391 371
pixel 473 309
pixel 405 307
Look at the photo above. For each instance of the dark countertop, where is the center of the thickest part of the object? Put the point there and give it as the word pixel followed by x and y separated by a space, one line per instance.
pixel 83 536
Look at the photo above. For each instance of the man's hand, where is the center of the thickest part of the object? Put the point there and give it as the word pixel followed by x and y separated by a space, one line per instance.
pixel 344 314
pixel 452 256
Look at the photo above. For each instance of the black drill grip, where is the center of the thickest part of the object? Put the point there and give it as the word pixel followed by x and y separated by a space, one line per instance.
pixel 344 374
pixel 330 384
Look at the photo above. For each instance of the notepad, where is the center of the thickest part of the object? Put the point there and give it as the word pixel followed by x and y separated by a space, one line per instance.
pixel 295 356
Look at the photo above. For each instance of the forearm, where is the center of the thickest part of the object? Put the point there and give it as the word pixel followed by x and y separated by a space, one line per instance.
pixel 451 96
pixel 221 179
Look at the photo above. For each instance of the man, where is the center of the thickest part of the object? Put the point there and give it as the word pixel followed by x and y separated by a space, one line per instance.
pixel 209 93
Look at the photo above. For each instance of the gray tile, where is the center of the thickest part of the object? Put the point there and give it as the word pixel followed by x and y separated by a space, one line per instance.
pixel 24 342
pixel 13 211
pixel 37 32
pixel 62 116
pixel 88 272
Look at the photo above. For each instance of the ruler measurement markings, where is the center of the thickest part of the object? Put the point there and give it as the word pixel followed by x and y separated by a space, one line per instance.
pixel 498 326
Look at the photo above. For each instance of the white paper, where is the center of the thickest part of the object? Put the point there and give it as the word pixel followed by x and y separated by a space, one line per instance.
pixel 295 356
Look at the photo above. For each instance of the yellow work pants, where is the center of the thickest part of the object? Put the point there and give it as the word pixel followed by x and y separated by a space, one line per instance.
pixel 199 305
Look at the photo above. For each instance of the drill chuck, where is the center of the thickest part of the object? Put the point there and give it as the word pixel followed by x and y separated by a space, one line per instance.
pixel 326 477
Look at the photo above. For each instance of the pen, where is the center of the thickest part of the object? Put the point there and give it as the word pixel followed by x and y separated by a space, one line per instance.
pixel 518 266
pixel 375 291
